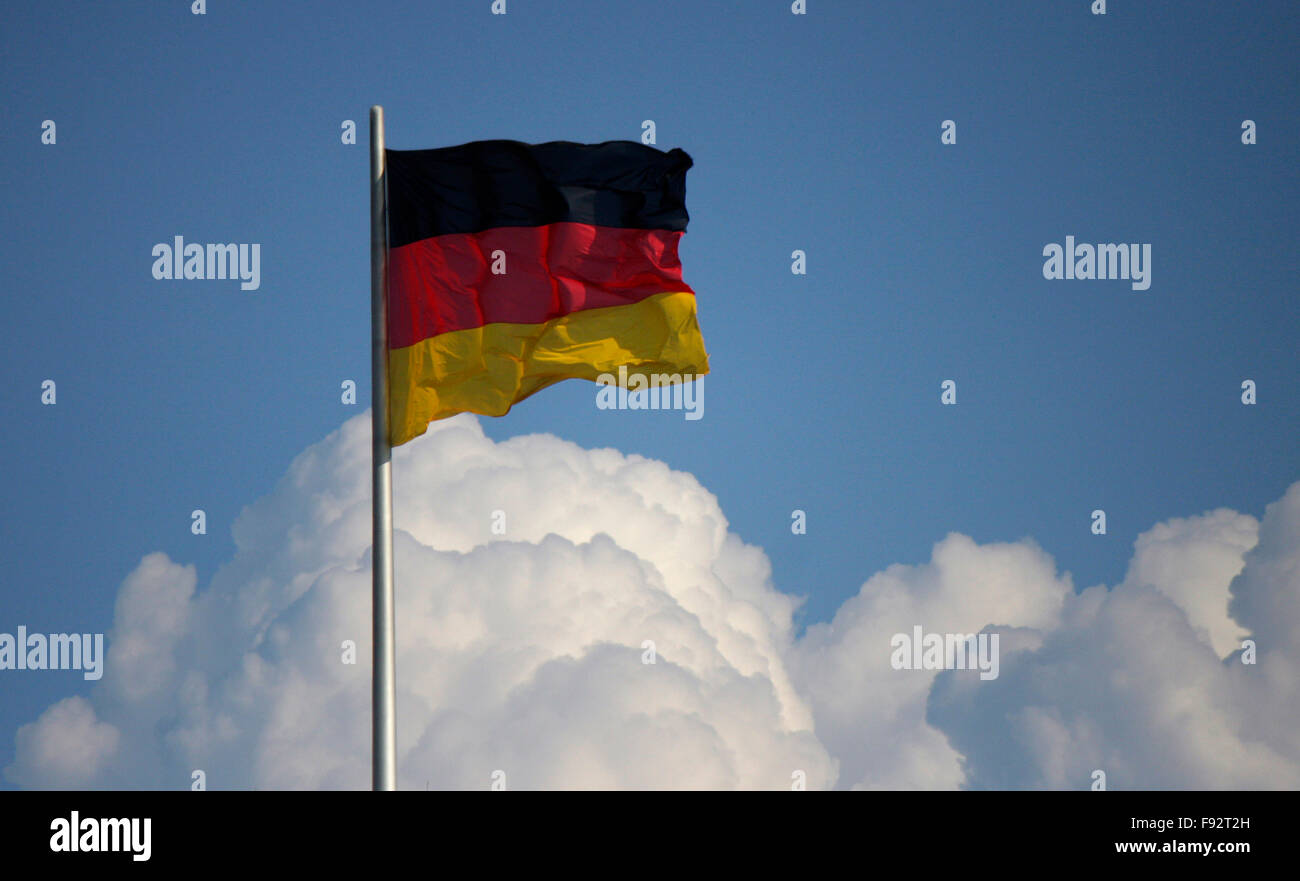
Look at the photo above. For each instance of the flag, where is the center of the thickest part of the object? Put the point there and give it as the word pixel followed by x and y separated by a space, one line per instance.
pixel 514 266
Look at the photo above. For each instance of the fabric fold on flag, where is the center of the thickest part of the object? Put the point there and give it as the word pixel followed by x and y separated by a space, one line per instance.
pixel 515 266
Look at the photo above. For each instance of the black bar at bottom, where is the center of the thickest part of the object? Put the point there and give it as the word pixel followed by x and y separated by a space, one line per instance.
pixel 642 832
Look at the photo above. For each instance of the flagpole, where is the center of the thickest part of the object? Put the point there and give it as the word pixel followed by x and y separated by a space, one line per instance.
pixel 383 694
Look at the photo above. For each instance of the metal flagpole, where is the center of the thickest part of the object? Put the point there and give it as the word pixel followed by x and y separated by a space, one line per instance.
pixel 383 694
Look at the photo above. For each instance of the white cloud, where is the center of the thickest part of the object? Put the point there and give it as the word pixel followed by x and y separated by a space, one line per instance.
pixel 520 652
pixel 871 716
pixel 1131 684
pixel 1192 561
pixel 523 652
pixel 65 748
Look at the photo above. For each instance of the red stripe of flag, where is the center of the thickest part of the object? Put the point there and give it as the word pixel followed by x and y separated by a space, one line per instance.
pixel 445 283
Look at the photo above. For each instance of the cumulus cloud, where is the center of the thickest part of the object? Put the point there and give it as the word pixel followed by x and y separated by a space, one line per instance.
pixel 65 748
pixel 525 652
pixel 871 716
pixel 1192 561
pixel 1141 682
pixel 520 653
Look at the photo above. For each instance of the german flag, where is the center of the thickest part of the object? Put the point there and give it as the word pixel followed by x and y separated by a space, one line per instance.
pixel 513 266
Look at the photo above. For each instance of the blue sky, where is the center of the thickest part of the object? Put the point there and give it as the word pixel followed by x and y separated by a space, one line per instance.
pixel 817 132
